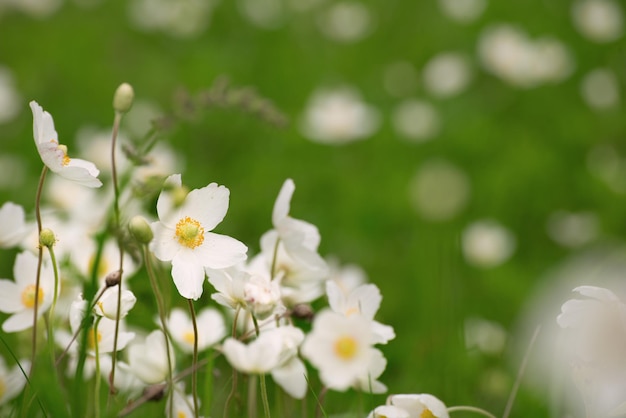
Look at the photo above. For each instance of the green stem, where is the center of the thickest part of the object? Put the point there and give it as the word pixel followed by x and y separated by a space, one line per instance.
pixel 161 308
pixel 275 256
pixel 471 409
pixel 233 387
pixel 266 405
pixel 194 373
pixel 97 383
pixel 42 178
pixel 54 298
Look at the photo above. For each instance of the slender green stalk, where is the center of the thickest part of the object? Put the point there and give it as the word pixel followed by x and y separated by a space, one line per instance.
pixel 194 373
pixel 273 269
pixel 252 397
pixel 233 388
pixel 54 299
pixel 208 384
pixel 466 408
pixel 266 405
pixel 97 382
pixel 161 308
pixel 116 210
pixel 42 178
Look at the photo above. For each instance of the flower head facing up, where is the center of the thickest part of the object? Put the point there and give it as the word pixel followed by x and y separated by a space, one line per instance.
pixel 54 155
pixel 182 234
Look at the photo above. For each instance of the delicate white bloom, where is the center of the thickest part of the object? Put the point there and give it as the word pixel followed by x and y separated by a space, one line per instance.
pixel 18 297
pixel 107 305
pixel 262 295
pixel 83 256
pixel 182 235
pixel 507 52
pixel 416 120
pixel 439 190
pixel 347 277
pixel 258 357
pixel 367 381
pixel 148 359
pixel 290 372
pixel 125 381
pixel 12 380
pixel 598 20
pixel 600 89
pixel 420 405
pixel 389 411
pixel 54 155
pixel 230 285
pixel 338 116
pixel 364 300
pixel 340 348
pixel 13 227
pixel 447 74
pixel 346 21
pixel 182 403
pixel 463 11
pixel 486 243
pixel 210 323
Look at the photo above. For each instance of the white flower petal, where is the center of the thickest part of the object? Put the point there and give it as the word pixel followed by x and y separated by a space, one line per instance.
pixel 292 378
pixel 282 204
pixel 20 321
pixel 10 297
pixel 221 251
pixel 207 205
pixel 188 276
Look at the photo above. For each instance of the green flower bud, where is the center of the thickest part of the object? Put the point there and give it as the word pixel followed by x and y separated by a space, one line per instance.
pixel 47 238
pixel 178 195
pixel 140 229
pixel 123 98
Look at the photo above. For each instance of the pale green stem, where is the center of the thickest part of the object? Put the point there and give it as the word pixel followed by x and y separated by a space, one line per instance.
pixel 97 383
pixel 471 409
pixel 273 269
pixel 194 373
pixel 42 178
pixel 233 388
pixel 266 405
pixel 166 333
pixel 54 298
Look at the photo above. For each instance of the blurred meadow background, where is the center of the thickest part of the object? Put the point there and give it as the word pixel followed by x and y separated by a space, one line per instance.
pixel 462 153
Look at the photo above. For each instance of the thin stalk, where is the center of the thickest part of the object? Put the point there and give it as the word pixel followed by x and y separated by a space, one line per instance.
pixel 208 384
pixel 42 178
pixel 233 388
pixel 194 373
pixel 252 397
pixel 273 268
pixel 97 374
pixel 266 405
pixel 161 309
pixel 54 299
pixel 466 408
pixel 116 211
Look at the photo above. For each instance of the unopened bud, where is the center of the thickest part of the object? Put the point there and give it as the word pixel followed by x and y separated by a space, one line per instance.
pixel 140 230
pixel 47 238
pixel 303 311
pixel 113 279
pixel 123 98
pixel 179 194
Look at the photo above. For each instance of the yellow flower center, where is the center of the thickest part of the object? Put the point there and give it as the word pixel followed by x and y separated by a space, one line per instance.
pixel 346 347
pixel 28 296
pixel 427 414
pixel 189 232
pixel 66 159
pixel 93 337
pixel 188 337
pixel 181 414
pixel 352 311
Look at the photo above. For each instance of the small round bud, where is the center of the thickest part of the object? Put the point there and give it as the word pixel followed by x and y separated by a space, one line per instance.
pixel 47 238
pixel 113 279
pixel 123 98
pixel 179 194
pixel 303 311
pixel 140 230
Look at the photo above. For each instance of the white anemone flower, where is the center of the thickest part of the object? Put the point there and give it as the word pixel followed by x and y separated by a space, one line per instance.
pixel 54 155
pixel 211 328
pixel 367 381
pixel 12 380
pixel 182 235
pixel 148 360
pixel 340 348
pixel 107 305
pixel 420 405
pixel 230 286
pixel 258 357
pixel 388 411
pixel 290 373
pixel 13 227
pixel 18 297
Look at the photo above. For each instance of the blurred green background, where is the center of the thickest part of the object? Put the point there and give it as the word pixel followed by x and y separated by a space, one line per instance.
pixel 523 128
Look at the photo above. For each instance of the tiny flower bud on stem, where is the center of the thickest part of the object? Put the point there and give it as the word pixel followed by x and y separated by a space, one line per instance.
pixel 140 229
pixel 47 238
pixel 123 98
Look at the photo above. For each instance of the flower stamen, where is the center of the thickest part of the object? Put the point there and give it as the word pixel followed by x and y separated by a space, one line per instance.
pixel 28 296
pixel 346 347
pixel 189 232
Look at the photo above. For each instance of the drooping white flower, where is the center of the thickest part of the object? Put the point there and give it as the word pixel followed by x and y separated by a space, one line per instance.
pixel 148 359
pixel 18 297
pixel 210 323
pixel 12 380
pixel 182 235
pixel 420 405
pixel 54 155
pixel 258 357
pixel 340 348
pixel 230 285
pixel 107 305
pixel 290 372
pixel 13 227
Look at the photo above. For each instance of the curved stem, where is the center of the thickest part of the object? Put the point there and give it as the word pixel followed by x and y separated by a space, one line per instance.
pixel 194 373
pixel 274 258
pixel 471 409
pixel 54 296
pixel 42 178
pixel 266 405
pixel 520 373
pixel 97 383
pixel 233 388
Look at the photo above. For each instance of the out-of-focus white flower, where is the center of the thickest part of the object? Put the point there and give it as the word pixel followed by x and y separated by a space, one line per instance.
pixel 83 258
pixel 598 20
pixel 346 21
pixel 416 120
pixel 600 89
pixel 507 52
pixel 487 336
pixel 229 284
pixel 107 305
pixel 258 357
pixel 182 403
pixel 266 14
pixel 181 19
pixel 364 300
pixel 37 8
pixel 12 380
pixel 388 411
pixel 125 381
pixel 439 190
pixel 290 373
pixel 13 226
pixel 262 295
pixel 367 381
pixel 420 405
pixel 400 79
pixel 182 235
pixel 54 155
pixel 447 74
pixel 340 348
pixel 572 229
pixel 211 328
pixel 148 359
pixel 18 297
pixel 10 100
pixel 95 145
pixel 486 243
pixel 338 116
pixel 346 277
pixel 463 11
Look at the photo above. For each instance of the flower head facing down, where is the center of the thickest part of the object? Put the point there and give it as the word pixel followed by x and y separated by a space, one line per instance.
pixel 54 155
pixel 421 405
pixel 182 234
